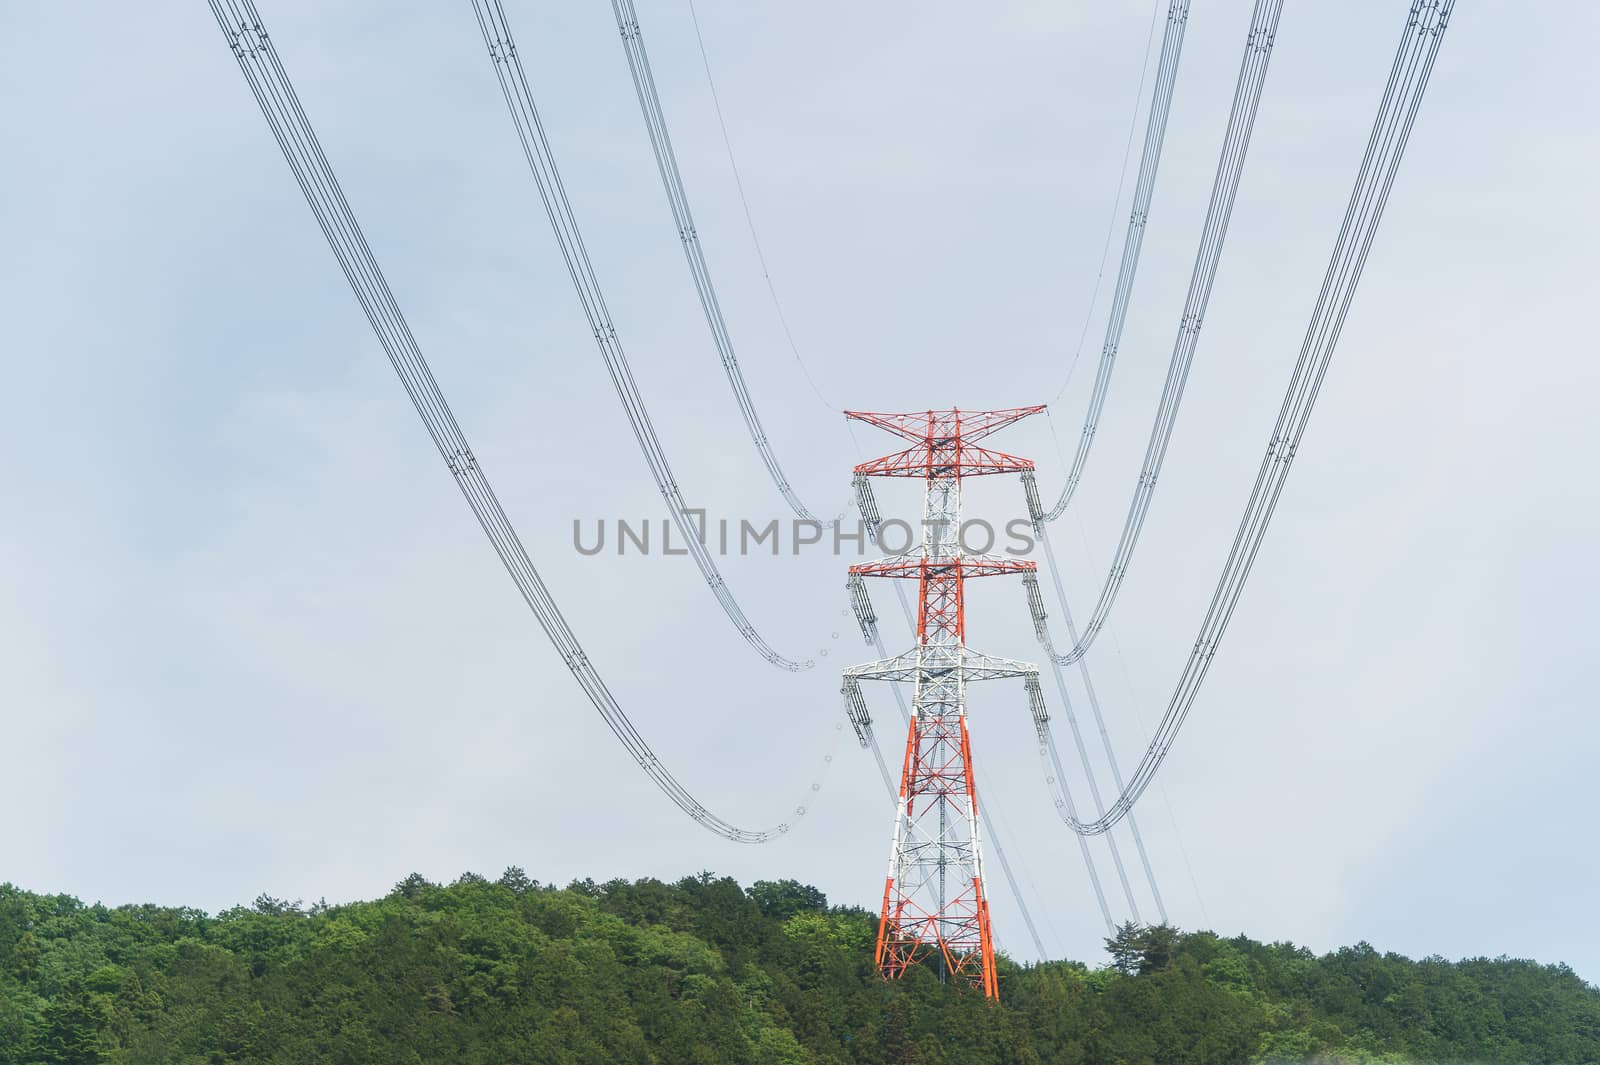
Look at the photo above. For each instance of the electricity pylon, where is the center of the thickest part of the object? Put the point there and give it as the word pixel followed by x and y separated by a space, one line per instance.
pixel 934 905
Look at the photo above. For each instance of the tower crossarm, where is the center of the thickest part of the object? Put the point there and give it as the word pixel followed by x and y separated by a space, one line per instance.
pixel 941 664
pixel 960 567
pixel 978 666
pixel 934 424
pixel 899 668
pixel 944 457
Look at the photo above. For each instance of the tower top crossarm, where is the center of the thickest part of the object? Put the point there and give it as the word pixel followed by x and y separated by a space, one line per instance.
pixel 944 443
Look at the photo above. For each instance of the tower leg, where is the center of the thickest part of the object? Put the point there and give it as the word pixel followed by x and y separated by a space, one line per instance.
pixel 934 905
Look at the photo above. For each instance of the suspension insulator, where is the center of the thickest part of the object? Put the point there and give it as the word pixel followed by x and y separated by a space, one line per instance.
pixel 1030 488
pixel 1041 716
pixel 855 708
pixel 867 504
pixel 1030 582
pixel 865 617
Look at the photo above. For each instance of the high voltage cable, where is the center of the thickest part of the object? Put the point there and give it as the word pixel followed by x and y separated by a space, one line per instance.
pixel 1161 787
pixel 1224 190
pixel 1138 215
pixel 655 120
pixel 541 163
pixel 1391 129
pixel 269 83
pixel 1031 583
pixel 1065 804
pixel 1116 201
pixel 1100 725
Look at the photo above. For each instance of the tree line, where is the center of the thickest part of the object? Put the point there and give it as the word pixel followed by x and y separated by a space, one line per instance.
pixel 706 972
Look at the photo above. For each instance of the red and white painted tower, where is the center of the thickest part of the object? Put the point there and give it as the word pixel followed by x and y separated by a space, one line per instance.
pixel 934 901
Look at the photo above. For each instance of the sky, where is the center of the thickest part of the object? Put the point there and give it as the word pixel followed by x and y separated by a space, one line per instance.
pixel 254 642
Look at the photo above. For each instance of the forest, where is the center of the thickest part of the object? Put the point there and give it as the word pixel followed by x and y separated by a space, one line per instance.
pixel 707 972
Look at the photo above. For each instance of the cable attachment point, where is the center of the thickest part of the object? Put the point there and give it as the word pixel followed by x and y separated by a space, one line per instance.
pixel 855 708
pixel 1041 716
pixel 865 617
pixel 1030 584
pixel 1030 489
pixel 867 504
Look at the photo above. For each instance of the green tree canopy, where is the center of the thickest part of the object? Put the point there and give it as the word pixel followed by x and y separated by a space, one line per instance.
pixel 644 972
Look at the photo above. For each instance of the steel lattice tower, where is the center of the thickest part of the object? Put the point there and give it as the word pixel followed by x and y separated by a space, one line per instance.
pixel 934 904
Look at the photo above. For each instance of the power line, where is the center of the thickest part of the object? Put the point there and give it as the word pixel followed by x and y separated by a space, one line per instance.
pixel 1138 717
pixel 1138 216
pixel 1132 244
pixel 1105 739
pixel 269 83
pixel 655 120
pixel 1224 190
pixel 1099 717
pixel 1391 130
pixel 552 193
pixel 1089 779
pixel 1116 201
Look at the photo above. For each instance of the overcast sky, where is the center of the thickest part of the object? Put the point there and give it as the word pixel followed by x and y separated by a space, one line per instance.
pixel 253 640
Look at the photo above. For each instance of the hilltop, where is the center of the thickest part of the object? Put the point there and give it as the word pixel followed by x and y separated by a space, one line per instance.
pixel 706 971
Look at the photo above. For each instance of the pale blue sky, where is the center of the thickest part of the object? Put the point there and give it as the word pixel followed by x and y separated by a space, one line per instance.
pixel 254 642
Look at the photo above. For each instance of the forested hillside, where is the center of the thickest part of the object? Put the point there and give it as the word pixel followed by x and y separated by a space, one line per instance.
pixel 704 971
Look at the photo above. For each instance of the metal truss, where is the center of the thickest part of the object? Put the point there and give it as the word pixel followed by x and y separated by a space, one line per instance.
pixel 934 905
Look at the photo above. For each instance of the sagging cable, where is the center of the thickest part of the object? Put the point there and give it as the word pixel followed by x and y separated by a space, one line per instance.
pixel 269 84
pixel 1138 218
pixel 1224 191
pixel 655 121
pixel 1413 65
pixel 514 86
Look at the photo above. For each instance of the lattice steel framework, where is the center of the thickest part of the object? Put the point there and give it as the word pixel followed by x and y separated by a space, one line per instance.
pixel 934 904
